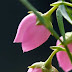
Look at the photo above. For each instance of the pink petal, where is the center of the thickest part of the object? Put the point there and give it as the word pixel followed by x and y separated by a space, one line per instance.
pixel 26 21
pixel 30 35
pixel 34 70
pixel 63 59
pixel 34 36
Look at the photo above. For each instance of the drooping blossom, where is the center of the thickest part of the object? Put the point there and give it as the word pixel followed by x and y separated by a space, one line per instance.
pixel 63 59
pixel 30 35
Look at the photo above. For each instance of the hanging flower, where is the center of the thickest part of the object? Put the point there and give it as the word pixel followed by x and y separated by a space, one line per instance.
pixel 31 35
pixel 62 57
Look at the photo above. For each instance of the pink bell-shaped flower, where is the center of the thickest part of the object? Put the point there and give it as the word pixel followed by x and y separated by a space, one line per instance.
pixel 29 34
pixel 62 57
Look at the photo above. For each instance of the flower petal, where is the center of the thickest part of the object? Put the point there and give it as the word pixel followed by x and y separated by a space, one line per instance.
pixel 31 35
pixel 63 59
pixel 34 36
pixel 34 70
pixel 26 21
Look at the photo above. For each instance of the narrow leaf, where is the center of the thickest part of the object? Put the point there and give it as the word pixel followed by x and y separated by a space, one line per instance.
pixel 65 14
pixel 69 11
pixel 60 22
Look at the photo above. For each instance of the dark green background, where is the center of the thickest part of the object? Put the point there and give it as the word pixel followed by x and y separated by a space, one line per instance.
pixel 12 59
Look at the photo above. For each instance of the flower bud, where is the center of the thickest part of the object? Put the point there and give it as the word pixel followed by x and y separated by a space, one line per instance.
pixel 40 67
pixel 68 37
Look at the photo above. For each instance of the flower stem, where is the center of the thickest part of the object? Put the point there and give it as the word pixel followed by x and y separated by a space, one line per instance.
pixel 51 11
pixel 49 60
pixel 68 4
pixel 68 52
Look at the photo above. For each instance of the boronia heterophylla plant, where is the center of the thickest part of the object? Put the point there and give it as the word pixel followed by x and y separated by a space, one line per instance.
pixel 35 29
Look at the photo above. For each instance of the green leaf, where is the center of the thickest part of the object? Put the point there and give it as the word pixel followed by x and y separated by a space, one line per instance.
pixel 58 48
pixel 71 0
pixel 63 10
pixel 65 14
pixel 60 22
pixel 69 11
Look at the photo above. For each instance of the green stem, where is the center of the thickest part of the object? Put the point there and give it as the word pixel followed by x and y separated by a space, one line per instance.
pixel 68 4
pixel 68 52
pixel 51 11
pixel 61 3
pixel 28 5
pixel 31 8
pixel 49 60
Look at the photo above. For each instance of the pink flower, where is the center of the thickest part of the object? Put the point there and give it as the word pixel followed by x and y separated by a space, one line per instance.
pixel 53 69
pixel 63 59
pixel 30 35
pixel 40 67
pixel 34 70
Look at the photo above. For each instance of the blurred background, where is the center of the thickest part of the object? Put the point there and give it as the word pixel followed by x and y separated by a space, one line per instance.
pixel 12 58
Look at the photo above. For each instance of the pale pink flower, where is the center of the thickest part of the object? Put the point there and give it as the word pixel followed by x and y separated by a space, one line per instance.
pixel 53 69
pixel 30 35
pixel 63 59
pixel 34 70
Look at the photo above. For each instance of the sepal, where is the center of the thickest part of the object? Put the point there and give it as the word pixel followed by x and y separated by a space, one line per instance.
pixel 52 69
pixel 58 48
pixel 36 65
pixel 37 20
pixel 43 68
